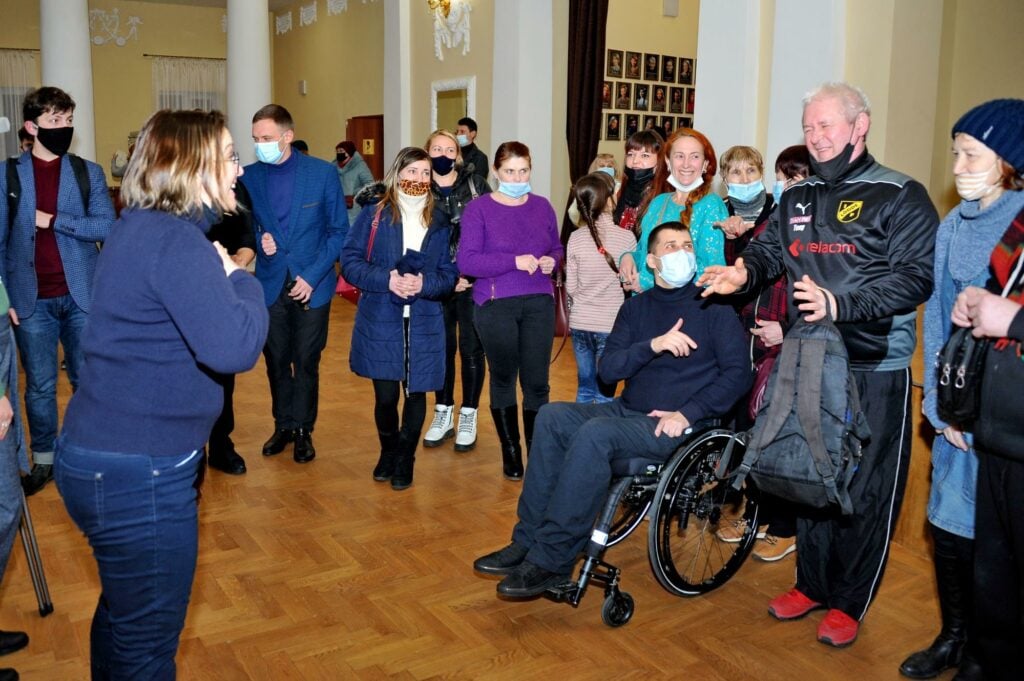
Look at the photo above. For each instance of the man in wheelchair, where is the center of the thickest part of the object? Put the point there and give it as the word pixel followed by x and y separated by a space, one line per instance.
pixel 672 379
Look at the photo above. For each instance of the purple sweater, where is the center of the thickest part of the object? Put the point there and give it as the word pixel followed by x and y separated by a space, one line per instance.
pixel 493 234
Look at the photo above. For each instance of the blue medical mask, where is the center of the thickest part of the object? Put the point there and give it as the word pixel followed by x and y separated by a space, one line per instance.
pixel 268 152
pixel 745 193
pixel 677 268
pixel 514 190
pixel 463 140
pixel 777 190
pixel 607 170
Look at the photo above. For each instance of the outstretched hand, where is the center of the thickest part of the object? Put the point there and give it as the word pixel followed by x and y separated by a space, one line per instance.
pixel 723 279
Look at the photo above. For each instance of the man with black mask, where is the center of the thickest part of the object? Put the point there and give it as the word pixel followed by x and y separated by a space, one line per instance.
pixel 49 243
pixel 856 241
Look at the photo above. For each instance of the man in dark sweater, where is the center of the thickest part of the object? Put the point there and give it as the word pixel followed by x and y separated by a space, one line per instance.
pixel 472 156
pixel 673 380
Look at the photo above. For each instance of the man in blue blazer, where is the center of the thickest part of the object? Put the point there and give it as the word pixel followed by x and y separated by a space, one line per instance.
pixel 49 250
pixel 300 222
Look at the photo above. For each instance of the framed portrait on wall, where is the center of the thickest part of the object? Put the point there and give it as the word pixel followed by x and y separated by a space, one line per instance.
pixel 685 122
pixel 691 95
pixel 668 123
pixel 650 122
pixel 611 126
pixel 622 95
pixel 668 69
pixel 641 96
pixel 632 123
pixel 686 70
pixel 675 102
pixel 658 99
pixel 634 65
pixel 650 67
pixel 614 64
pixel 606 95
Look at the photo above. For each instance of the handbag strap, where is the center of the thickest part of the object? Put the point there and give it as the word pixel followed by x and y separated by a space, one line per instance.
pixel 373 231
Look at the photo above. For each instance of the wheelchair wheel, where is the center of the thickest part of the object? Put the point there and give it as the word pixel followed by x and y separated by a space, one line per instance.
pixel 630 513
pixel 617 609
pixel 691 505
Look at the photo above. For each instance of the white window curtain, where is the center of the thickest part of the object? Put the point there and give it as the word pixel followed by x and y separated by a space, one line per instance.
pixel 180 83
pixel 18 74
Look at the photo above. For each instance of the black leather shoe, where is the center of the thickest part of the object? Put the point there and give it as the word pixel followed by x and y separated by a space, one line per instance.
pixel 304 451
pixel 12 641
pixel 944 653
pixel 278 441
pixel 229 462
pixel 8 674
pixel 528 580
pixel 402 476
pixel 503 561
pixel 41 474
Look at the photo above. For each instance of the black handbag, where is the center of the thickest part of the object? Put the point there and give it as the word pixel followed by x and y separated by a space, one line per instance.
pixel 961 365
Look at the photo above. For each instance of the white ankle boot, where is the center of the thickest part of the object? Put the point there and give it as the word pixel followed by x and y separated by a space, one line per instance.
pixel 465 438
pixel 441 427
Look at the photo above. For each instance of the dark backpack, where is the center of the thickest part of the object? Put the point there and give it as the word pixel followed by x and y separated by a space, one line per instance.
pixel 805 445
pixel 14 184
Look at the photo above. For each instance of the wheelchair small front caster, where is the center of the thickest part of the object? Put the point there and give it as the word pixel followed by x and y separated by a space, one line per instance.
pixel 617 609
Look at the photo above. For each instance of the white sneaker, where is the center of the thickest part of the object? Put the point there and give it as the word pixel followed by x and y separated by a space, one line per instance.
pixel 441 427
pixel 465 439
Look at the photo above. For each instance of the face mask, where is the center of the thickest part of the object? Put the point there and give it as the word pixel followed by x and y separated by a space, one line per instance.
pixel 677 268
pixel 685 187
pixel 640 175
pixel 777 190
pixel 514 190
pixel 610 172
pixel 57 140
pixel 463 140
pixel 413 188
pixel 268 152
pixel 745 193
pixel 442 165
pixel 341 158
pixel 971 186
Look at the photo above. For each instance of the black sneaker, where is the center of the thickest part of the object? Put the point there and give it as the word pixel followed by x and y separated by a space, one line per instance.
pixel 12 641
pixel 501 562
pixel 41 474
pixel 529 580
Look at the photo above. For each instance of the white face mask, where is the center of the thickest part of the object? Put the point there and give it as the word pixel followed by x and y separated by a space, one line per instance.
pixel 685 187
pixel 677 268
pixel 974 186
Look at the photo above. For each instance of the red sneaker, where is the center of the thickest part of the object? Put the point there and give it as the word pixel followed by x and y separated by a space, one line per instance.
pixel 792 605
pixel 838 629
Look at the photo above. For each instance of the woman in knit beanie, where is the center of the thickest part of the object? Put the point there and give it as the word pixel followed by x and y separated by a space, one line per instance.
pixel 988 160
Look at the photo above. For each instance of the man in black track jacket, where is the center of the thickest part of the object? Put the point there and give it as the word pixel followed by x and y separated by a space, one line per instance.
pixel 856 241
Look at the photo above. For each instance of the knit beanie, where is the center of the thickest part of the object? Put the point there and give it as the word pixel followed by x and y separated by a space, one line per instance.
pixel 999 125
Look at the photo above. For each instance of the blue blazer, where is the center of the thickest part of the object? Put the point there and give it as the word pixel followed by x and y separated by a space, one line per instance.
pixel 317 224
pixel 76 227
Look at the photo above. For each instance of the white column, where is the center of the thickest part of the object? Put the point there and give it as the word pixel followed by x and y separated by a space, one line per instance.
pixel 248 69
pixel 523 99
pixel 398 79
pixel 67 63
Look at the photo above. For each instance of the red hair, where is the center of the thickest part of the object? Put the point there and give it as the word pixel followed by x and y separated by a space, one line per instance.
pixel 660 184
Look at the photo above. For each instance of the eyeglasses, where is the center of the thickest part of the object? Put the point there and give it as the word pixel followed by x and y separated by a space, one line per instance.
pixel 234 158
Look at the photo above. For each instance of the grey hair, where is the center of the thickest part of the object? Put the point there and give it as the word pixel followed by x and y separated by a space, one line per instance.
pixel 852 98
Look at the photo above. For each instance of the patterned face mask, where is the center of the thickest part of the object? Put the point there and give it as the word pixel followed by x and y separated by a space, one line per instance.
pixel 413 188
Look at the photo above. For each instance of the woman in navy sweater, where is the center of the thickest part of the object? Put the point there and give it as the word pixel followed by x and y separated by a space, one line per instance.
pixel 169 311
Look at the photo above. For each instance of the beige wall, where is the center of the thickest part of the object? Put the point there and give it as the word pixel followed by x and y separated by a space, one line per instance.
pixel 341 58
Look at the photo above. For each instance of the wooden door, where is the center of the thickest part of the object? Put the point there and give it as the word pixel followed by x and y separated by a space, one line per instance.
pixel 367 133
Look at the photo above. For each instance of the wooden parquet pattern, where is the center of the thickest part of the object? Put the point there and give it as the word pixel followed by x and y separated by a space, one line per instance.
pixel 316 572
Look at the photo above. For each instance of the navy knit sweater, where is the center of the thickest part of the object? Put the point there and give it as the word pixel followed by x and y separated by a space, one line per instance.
pixel 163 316
pixel 705 384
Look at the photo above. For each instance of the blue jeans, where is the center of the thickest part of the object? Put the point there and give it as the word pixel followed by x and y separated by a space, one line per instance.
pixel 53 320
pixel 139 514
pixel 588 346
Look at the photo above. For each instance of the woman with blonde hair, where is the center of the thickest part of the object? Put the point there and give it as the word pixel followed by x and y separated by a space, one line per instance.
pixel 168 308
pixel 397 254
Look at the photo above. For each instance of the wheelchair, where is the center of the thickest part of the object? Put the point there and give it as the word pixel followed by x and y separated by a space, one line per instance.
pixel 687 499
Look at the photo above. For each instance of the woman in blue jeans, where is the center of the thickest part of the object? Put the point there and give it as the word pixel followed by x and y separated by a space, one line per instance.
pixel 168 309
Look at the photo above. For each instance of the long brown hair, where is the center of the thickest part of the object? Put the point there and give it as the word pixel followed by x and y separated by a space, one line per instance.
pixel 592 193
pixel 642 140
pixel 403 160
pixel 660 184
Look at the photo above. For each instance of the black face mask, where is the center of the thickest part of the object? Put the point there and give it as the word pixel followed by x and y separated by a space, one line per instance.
pixel 833 168
pixel 442 165
pixel 639 176
pixel 57 140
pixel 341 158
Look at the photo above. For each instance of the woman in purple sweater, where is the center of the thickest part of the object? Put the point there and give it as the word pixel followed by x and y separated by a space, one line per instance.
pixel 510 244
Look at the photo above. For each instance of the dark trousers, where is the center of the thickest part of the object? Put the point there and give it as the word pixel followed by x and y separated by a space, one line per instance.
pixel 999 566
pixel 460 333
pixel 516 334
pixel 220 434
pixel 385 411
pixel 296 339
pixel 139 513
pixel 840 559
pixel 569 473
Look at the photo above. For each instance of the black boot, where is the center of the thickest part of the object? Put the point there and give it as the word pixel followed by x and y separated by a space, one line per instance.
pixel 529 417
pixel 953 568
pixel 385 467
pixel 404 462
pixel 506 422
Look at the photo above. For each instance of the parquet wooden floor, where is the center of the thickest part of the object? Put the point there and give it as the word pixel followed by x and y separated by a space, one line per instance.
pixel 316 572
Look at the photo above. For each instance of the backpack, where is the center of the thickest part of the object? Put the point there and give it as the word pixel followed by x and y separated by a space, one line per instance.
pixel 14 184
pixel 805 445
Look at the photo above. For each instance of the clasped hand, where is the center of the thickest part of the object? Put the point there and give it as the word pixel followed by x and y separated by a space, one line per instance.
pixel 405 285
pixel 529 263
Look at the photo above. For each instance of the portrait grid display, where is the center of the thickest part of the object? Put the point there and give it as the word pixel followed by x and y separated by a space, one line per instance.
pixel 642 83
